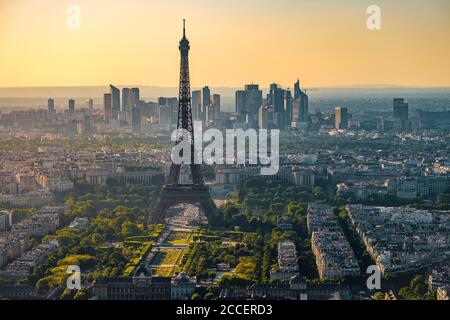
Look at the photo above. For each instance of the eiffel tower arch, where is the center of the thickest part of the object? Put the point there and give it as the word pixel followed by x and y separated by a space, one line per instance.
pixel 172 192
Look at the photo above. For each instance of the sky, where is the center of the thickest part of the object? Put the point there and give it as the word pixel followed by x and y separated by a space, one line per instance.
pixel 233 42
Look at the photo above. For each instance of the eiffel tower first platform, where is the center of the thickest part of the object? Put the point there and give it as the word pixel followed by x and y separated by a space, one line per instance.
pixel 174 193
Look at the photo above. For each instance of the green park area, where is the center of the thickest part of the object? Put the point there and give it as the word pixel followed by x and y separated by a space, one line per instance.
pixel 180 238
pixel 167 261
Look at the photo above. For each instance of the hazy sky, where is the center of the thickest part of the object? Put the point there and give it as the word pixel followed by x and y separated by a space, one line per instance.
pixel 233 42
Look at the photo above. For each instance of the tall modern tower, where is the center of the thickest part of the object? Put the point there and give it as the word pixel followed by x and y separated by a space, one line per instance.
pixel 107 105
pixel 136 119
pixel 135 97
pixel 206 99
pixel 300 105
pixel 288 110
pixel 297 90
pixel 341 118
pixel 90 104
pixel 401 112
pixel 173 192
pixel 197 104
pixel 115 98
pixel 51 105
pixel 126 99
pixel 71 106
pixel 248 102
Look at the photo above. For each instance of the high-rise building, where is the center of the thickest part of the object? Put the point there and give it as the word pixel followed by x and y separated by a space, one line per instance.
pixel 197 104
pixel 210 113
pixel 341 118
pixel 165 114
pixel 263 118
pixel 107 104
pixel 278 104
pixel 5 220
pixel 272 89
pixel 297 90
pixel 136 119
pixel 300 105
pixel 206 99
pixel 240 104
pixel 90 104
pixel 288 109
pixel 400 109
pixel 51 105
pixel 401 113
pixel 278 100
pixel 216 104
pixel 127 99
pixel 162 101
pixel 248 102
pixel 71 106
pixel 168 108
pixel 135 97
pixel 115 99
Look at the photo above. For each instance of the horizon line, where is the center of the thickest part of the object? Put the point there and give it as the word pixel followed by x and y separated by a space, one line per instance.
pixel 343 86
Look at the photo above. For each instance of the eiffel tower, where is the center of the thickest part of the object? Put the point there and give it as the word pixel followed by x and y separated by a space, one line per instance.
pixel 174 193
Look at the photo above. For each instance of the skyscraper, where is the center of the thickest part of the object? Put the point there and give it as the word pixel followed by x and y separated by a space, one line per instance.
pixel 263 118
pixel 71 106
pixel 127 99
pixel 216 104
pixel 51 105
pixel 300 109
pixel 401 112
pixel 248 102
pixel 165 114
pixel 135 97
pixel 272 89
pixel 400 109
pixel 240 104
pixel 5 220
pixel 136 119
pixel 341 118
pixel 197 104
pixel 297 90
pixel 206 99
pixel 300 105
pixel 278 104
pixel 90 104
pixel 107 104
pixel 278 100
pixel 115 99
pixel 288 109
pixel 210 113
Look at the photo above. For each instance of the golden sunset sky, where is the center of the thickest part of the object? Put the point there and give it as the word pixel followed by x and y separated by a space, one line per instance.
pixel 233 42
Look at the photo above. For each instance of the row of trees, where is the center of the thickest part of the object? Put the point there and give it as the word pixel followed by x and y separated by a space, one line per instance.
pixel 94 249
